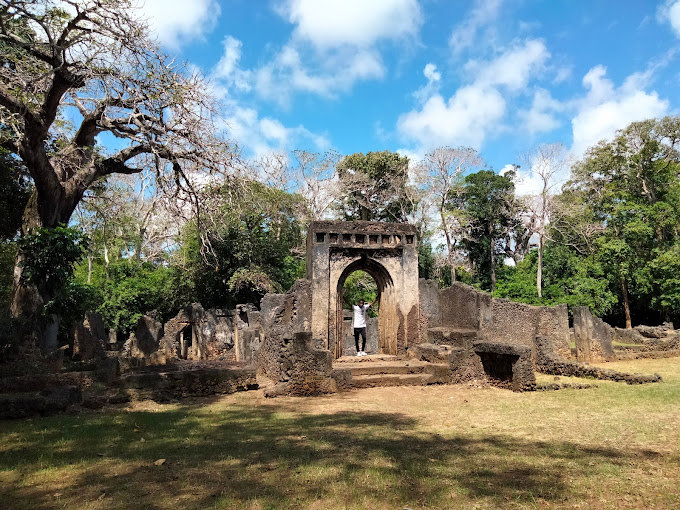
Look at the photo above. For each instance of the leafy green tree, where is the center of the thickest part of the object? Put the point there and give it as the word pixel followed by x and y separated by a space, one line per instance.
pixel 374 186
pixel 133 288
pixel 252 246
pixel 570 279
pixel 488 200
pixel 631 188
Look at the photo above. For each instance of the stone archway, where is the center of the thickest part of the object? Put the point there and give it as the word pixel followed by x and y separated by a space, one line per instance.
pixel 388 252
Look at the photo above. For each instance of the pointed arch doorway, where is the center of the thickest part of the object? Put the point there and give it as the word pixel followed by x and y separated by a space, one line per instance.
pixel 387 332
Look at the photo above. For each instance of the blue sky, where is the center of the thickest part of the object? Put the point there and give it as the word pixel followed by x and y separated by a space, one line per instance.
pixel 500 76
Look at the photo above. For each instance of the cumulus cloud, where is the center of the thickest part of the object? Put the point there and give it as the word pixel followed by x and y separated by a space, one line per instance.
pixel 175 22
pixel 464 34
pixel 227 69
pixel 334 23
pixel 513 68
pixel 607 108
pixel 287 73
pixel 669 12
pixel 334 45
pixel 541 117
pixel 464 119
pixel 475 109
pixel 432 86
pixel 264 135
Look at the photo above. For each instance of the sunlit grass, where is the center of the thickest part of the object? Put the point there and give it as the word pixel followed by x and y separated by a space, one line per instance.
pixel 614 446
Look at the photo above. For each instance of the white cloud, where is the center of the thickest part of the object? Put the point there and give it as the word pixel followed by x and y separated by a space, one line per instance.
pixel 464 35
pixel 334 23
pixel 227 69
pixel 264 135
pixel 607 108
pixel 175 22
pixel 334 45
pixel 431 73
pixel 475 109
pixel 432 87
pixel 464 119
pixel 513 68
pixel 670 13
pixel 541 117
pixel 287 73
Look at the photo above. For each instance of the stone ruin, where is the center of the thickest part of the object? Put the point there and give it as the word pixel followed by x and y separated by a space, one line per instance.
pixel 301 341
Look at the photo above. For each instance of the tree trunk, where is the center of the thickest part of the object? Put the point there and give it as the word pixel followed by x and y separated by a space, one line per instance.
pixel 539 269
pixel 47 207
pixel 26 300
pixel 449 246
pixel 626 304
pixel 492 254
pixel 364 213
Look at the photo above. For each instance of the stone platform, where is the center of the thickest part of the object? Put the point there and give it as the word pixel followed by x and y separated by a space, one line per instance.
pixel 384 370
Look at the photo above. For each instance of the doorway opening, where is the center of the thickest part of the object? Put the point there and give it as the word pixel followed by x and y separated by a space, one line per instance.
pixel 186 342
pixel 360 286
pixel 363 279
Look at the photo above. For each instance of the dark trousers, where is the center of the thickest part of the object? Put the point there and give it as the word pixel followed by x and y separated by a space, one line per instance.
pixel 362 332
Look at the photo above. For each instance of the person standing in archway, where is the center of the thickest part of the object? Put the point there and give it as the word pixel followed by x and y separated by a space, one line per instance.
pixel 359 323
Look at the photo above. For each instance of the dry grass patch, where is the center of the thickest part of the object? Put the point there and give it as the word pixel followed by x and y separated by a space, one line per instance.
pixel 615 446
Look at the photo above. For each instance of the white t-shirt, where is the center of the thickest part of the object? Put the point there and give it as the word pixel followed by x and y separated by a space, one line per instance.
pixel 360 315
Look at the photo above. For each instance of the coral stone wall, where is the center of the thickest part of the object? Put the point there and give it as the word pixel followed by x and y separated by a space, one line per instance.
pixel 462 308
pixel 519 323
pixel 458 306
pixel 281 316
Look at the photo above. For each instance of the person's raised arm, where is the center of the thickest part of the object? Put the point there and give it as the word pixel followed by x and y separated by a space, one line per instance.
pixel 374 301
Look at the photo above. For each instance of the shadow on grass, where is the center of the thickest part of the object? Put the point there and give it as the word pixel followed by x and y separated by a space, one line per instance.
pixel 224 456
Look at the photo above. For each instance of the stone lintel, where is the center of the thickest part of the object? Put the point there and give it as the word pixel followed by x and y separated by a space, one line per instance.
pixel 363 234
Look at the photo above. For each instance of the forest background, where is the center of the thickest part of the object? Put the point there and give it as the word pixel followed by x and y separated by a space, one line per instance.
pixel 175 213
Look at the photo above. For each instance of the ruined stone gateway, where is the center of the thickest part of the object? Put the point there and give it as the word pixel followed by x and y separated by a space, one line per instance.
pixel 386 251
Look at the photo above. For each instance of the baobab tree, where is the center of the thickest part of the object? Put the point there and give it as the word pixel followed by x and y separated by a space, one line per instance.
pixel 89 64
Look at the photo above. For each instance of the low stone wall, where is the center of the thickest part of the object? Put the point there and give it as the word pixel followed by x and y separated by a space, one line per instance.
pixel 44 403
pixel 506 366
pixel 163 386
pixel 548 361
pixel 288 354
pixel 502 365
pixel 282 316
pixel 310 370
pixel 458 306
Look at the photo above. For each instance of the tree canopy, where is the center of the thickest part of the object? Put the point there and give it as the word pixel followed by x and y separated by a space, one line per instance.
pixel 375 187
pixel 75 69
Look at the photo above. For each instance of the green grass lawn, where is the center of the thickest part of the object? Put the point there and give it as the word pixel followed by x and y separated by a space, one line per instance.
pixel 614 446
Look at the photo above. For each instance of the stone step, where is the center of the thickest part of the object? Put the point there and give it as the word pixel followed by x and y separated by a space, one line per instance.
pixel 386 368
pixel 370 358
pixel 380 380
